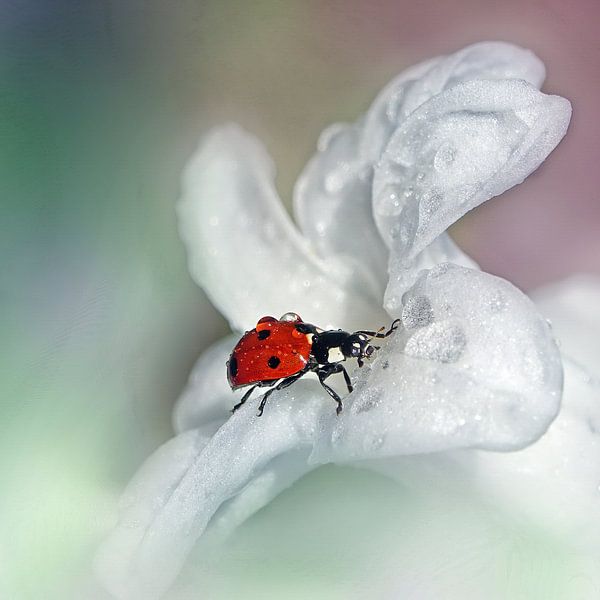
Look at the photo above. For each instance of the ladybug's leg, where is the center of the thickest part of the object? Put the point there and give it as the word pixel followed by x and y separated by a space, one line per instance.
pixel 323 374
pixel 346 376
pixel 244 398
pixel 282 384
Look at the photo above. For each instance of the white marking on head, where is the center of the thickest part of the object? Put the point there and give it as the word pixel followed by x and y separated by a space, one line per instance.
pixel 335 355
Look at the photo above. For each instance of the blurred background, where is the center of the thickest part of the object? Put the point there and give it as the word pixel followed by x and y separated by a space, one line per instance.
pixel 101 104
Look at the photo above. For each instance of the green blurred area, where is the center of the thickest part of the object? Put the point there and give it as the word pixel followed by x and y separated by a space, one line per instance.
pixel 101 322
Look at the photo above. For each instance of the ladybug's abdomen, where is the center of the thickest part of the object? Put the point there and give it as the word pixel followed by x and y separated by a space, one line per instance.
pixel 276 349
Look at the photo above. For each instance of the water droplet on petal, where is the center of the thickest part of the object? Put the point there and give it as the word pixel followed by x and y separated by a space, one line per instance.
pixel 368 401
pixel 444 157
pixel 374 442
pixel 497 302
pixel 442 342
pixel 417 312
pixel 389 203
pixel 431 201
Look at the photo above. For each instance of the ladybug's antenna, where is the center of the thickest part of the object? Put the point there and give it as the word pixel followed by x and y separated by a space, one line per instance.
pixel 378 334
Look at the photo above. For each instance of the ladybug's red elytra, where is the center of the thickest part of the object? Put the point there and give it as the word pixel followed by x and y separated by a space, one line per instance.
pixel 277 352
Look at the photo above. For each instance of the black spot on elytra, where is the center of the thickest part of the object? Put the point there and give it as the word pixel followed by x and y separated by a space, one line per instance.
pixel 233 366
pixel 273 362
pixel 264 334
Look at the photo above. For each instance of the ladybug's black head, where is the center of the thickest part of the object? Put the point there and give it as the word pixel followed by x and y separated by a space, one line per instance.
pixel 356 345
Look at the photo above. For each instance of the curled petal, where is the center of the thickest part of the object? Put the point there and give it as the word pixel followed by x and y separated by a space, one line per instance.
pixel 243 248
pixel 485 60
pixel 474 366
pixel 207 396
pixel 332 199
pixel 462 147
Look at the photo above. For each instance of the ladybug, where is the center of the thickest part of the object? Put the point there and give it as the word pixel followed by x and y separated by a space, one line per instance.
pixel 277 352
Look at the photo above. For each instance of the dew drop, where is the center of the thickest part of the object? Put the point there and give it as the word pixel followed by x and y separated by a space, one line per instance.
pixel 389 203
pixel 374 442
pixel 430 204
pixel 368 401
pixel 497 302
pixel 417 312
pixel 339 178
pixel 444 157
pixel 442 342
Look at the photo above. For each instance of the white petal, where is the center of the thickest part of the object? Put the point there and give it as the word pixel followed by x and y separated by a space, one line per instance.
pixel 207 396
pixel 332 199
pixel 243 248
pixel 474 366
pixel 462 147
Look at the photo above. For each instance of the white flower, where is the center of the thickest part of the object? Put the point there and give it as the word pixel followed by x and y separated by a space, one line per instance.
pixel 474 367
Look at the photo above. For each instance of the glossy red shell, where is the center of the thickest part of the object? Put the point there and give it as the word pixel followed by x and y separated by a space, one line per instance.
pixel 273 350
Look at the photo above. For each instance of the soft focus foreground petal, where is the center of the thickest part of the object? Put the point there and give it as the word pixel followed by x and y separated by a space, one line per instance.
pixel 332 199
pixel 278 475
pixel 474 365
pixel 189 479
pixel 462 147
pixel 207 396
pixel 243 248
pixel 142 501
